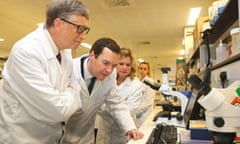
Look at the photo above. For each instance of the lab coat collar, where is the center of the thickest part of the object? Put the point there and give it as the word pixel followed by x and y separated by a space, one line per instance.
pixel 87 74
pixel 127 81
pixel 50 47
pixel 78 67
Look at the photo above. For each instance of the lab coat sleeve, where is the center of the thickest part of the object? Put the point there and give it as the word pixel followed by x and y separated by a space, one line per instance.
pixel 135 95
pixel 28 74
pixel 147 100
pixel 116 106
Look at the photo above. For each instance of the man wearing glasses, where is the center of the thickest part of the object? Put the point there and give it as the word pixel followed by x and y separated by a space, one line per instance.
pixel 36 98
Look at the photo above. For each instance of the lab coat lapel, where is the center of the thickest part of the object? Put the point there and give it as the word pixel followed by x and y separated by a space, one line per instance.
pixel 82 81
pixel 49 52
pixel 84 89
pixel 66 67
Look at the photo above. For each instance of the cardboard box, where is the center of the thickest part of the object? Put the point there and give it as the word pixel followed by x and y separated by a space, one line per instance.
pixel 198 130
pixel 200 26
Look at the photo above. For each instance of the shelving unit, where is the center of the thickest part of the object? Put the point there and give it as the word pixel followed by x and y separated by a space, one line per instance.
pixel 225 22
pixel 226 62
pixel 221 31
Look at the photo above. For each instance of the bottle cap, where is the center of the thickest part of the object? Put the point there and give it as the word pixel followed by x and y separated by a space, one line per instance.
pixel 238 91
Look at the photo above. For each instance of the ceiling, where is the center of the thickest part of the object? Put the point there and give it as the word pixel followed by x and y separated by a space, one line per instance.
pixel 153 29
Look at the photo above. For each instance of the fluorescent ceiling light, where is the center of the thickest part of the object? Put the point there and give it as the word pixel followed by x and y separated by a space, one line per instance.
pixel 1 39
pixel 86 45
pixel 182 52
pixel 140 60
pixel 193 15
pixel 40 23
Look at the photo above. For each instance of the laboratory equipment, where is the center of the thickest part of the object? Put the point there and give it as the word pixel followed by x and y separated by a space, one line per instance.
pixel 167 91
pixel 163 134
pixel 222 118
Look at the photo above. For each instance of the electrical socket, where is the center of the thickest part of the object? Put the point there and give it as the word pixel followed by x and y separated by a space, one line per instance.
pixel 227 73
pixel 224 78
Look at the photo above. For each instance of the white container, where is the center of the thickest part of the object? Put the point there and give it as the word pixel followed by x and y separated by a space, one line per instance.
pixel 221 52
pixel 235 33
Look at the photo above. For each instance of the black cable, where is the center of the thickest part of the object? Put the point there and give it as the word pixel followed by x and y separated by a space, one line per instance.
pixel 208 51
pixel 206 34
pixel 223 78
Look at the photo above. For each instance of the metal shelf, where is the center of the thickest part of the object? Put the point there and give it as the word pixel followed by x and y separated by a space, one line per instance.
pixel 227 61
pixel 228 17
pixel 221 29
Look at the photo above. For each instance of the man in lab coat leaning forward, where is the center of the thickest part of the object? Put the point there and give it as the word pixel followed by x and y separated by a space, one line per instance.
pixel 100 63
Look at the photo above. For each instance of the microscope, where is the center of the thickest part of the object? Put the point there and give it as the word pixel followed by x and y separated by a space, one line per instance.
pixel 167 92
pixel 221 114
pixel 222 117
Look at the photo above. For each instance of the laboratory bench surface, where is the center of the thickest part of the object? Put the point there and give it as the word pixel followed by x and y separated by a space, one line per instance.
pixel 149 124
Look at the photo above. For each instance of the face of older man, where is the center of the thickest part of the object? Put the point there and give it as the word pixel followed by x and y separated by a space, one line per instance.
pixel 70 32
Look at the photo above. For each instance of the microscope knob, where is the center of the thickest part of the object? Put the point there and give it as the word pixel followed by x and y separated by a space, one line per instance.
pixel 179 117
pixel 218 122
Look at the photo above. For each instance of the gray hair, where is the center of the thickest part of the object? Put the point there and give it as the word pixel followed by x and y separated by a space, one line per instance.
pixel 65 9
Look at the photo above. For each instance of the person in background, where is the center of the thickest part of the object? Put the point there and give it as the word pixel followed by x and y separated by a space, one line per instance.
pixel 99 64
pixel 131 90
pixel 146 105
pixel 36 98
pixel 144 70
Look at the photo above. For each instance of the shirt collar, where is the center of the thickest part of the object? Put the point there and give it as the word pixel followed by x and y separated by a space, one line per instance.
pixel 87 74
pixel 50 40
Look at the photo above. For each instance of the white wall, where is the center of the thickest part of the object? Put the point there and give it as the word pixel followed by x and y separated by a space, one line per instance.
pixel 232 72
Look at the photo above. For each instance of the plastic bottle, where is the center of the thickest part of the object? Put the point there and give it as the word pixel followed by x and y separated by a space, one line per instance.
pixel 235 40
pixel 221 52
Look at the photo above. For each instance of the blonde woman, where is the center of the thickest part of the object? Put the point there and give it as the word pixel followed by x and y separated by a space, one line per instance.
pixel 146 105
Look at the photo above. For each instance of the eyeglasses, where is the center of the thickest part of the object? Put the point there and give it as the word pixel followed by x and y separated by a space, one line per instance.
pixel 80 28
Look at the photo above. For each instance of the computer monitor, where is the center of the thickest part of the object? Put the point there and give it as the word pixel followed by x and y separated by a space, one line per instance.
pixel 193 111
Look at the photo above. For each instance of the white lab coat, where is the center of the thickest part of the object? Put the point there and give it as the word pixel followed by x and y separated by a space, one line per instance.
pixel 35 99
pixel 1 84
pixel 80 127
pixel 109 131
pixel 146 105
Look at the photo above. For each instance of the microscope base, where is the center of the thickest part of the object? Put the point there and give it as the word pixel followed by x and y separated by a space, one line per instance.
pixel 223 138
